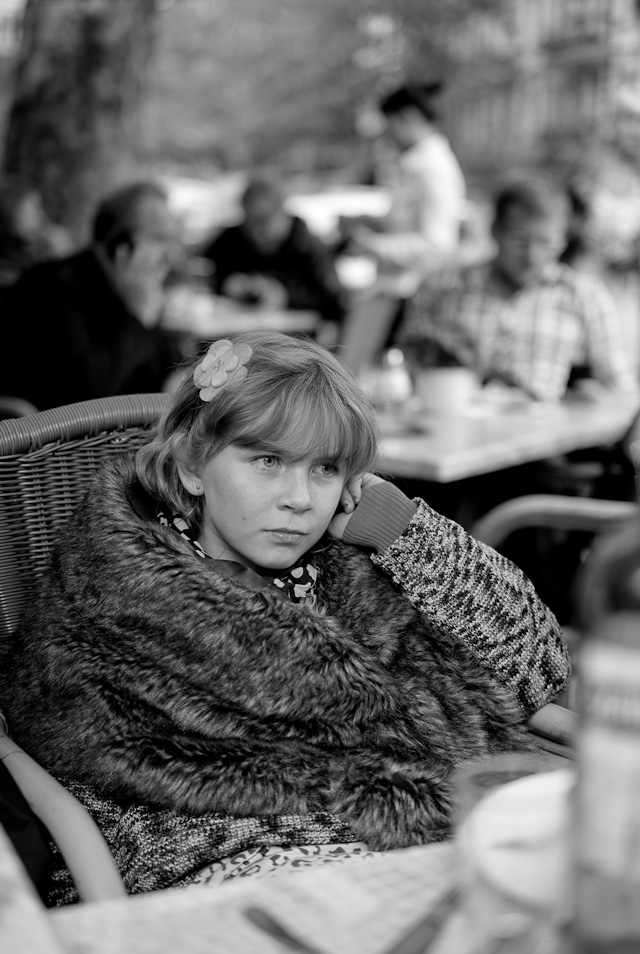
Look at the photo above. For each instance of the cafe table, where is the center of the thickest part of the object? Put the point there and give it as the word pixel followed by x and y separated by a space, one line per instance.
pixel 492 435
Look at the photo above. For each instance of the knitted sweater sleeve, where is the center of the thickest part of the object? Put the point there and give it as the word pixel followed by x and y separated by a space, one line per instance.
pixel 471 591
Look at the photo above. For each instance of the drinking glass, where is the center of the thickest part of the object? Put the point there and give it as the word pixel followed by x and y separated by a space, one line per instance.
pixel 513 828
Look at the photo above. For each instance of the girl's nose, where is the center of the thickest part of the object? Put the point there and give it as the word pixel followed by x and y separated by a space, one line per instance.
pixel 296 492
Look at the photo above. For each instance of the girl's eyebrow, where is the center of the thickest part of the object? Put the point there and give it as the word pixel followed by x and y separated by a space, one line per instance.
pixel 265 450
pixel 258 447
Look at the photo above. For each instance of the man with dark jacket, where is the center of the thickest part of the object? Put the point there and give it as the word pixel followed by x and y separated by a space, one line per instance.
pixel 272 259
pixel 86 326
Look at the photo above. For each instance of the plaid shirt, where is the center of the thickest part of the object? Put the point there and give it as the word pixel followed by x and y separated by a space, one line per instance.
pixel 531 339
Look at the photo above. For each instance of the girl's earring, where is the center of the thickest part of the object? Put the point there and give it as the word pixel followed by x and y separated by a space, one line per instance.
pixel 198 488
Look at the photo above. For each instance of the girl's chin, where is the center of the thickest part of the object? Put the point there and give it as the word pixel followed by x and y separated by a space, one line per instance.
pixel 278 564
pixel 276 567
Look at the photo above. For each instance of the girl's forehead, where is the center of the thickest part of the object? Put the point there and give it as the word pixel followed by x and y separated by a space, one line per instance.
pixel 301 437
pixel 315 430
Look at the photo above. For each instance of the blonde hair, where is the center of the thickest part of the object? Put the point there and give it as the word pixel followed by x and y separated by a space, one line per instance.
pixel 297 398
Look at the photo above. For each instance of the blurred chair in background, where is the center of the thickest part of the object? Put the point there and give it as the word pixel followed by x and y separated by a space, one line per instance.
pixel 15 407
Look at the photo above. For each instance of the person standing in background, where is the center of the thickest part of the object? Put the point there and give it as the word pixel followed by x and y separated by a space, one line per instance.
pixel 428 194
pixel 420 233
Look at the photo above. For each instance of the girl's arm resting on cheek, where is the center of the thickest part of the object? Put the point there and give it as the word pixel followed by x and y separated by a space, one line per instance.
pixel 383 513
pixel 467 589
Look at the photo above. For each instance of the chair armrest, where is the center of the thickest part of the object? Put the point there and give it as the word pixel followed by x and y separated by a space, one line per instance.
pixel 70 825
pixel 556 729
pixel 11 406
pixel 551 510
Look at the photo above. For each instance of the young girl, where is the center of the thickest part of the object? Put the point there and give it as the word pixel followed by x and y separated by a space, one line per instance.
pixel 247 639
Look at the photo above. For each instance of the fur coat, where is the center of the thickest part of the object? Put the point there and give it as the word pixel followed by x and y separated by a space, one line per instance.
pixel 152 680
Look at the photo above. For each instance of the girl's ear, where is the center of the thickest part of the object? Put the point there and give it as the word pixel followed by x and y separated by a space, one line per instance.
pixel 190 481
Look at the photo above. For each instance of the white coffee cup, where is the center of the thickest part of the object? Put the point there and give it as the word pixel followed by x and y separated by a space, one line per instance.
pixel 446 390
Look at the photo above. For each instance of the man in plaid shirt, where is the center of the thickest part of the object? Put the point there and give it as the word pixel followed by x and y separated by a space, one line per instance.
pixel 522 318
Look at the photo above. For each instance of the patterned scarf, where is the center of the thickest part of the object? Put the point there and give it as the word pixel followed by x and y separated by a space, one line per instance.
pixel 297 584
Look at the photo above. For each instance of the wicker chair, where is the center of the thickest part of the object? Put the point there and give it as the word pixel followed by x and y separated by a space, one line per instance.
pixel 45 462
pixel 11 406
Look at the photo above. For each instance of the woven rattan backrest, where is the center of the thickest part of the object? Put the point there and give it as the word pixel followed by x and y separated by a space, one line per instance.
pixel 46 460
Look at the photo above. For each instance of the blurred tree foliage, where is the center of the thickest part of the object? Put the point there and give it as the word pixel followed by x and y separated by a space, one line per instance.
pixel 288 82
pixel 78 80
pixel 199 86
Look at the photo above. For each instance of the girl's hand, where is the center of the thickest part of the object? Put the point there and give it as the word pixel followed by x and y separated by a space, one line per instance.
pixel 350 497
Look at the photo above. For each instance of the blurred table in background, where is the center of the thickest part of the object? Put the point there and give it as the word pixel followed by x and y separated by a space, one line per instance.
pixel 323 209
pixel 491 436
pixel 197 313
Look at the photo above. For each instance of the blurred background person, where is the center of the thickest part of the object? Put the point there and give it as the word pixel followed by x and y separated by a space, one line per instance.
pixel 421 232
pixel 531 327
pixel 87 325
pixel 605 190
pixel 523 319
pixel 271 258
pixel 428 190
pixel 27 235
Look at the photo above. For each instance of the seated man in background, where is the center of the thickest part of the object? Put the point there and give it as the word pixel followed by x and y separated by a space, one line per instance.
pixel 86 326
pixel 522 318
pixel 272 259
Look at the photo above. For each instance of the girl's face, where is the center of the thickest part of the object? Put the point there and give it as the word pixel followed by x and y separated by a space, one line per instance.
pixel 264 509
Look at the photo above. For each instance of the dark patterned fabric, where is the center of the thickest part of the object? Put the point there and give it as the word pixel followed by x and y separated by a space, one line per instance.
pixel 271 861
pixel 455 599
pixel 161 849
pixel 297 584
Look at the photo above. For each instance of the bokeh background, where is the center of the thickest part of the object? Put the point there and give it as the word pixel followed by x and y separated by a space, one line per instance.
pixel 202 90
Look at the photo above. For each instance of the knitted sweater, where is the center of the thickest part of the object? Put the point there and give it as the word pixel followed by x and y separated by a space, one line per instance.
pixel 195 715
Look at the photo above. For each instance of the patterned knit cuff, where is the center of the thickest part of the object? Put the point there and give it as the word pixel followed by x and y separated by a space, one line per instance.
pixel 380 517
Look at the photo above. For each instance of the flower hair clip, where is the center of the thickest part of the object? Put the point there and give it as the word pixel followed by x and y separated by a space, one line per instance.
pixel 223 363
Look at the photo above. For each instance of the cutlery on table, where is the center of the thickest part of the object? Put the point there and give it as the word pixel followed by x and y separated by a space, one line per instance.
pixel 415 941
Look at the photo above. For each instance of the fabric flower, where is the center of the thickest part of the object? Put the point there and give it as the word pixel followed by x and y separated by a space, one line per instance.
pixel 223 363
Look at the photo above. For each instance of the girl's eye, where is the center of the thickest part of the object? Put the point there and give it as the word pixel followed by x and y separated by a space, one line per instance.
pixel 329 470
pixel 268 461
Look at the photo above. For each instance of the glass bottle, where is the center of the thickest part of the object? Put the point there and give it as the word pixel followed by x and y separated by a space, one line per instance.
pixel 606 912
pixel 389 383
